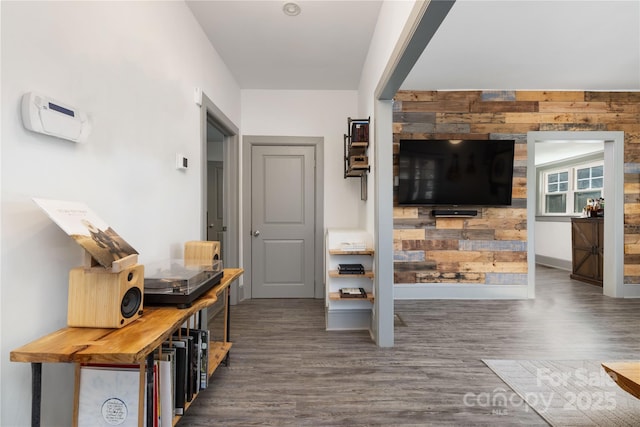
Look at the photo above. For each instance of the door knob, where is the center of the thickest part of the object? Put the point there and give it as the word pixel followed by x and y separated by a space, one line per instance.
pixel 256 233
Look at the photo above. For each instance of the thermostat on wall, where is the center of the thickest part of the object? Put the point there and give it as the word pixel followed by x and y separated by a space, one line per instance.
pixel 50 117
pixel 181 162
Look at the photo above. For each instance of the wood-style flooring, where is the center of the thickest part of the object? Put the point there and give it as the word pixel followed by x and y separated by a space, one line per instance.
pixel 286 370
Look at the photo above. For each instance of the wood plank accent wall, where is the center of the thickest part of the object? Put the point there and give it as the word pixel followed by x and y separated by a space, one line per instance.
pixel 492 247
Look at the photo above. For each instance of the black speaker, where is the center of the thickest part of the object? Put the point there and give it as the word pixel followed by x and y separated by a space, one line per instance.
pixel 131 302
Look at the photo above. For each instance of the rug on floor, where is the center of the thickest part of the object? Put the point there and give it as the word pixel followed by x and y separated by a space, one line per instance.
pixel 569 392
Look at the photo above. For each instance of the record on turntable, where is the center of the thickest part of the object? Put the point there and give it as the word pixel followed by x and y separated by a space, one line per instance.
pixel 174 283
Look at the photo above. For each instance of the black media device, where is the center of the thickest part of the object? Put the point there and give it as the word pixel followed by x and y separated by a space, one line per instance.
pixel 455 172
pixel 455 212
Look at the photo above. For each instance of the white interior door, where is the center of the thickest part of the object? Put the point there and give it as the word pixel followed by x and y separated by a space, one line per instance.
pixel 283 221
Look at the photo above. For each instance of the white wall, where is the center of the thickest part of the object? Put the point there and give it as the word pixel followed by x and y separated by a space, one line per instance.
pixel 133 67
pixel 391 22
pixel 312 113
pixel 553 240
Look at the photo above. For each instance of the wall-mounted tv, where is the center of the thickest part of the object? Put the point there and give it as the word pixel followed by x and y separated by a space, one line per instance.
pixel 455 172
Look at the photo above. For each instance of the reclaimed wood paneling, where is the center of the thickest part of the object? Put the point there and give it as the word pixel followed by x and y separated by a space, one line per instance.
pixel 511 235
pixel 471 118
pixel 504 127
pixel 632 208
pixel 459 256
pixel 431 245
pixel 458 277
pixel 423 96
pixel 494 267
pixel 405 212
pixel 505 106
pixel 549 96
pixel 436 106
pixel 412 267
pixel 572 127
pixel 498 95
pixel 408 234
pixel 506 279
pixel 612 96
pixel 501 233
pixel 570 107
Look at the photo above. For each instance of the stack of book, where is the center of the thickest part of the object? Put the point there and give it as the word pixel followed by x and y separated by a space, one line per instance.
pixel 353 293
pixel 350 269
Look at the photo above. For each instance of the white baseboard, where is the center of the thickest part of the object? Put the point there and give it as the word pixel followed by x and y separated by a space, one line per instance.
pixel 548 261
pixel 631 291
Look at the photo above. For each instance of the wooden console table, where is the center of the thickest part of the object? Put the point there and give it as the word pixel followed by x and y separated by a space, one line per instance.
pixel 626 375
pixel 132 344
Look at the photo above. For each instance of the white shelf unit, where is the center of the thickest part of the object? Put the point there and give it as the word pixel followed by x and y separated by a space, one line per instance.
pixel 348 246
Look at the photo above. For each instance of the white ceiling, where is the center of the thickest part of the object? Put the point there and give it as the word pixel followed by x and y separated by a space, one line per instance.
pixel 553 151
pixel 324 47
pixel 500 45
pixel 544 45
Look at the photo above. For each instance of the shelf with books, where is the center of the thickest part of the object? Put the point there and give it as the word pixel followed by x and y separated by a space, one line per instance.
pixel 135 345
pixel 335 296
pixel 349 262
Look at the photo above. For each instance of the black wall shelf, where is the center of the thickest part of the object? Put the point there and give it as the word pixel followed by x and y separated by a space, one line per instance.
pixel 356 144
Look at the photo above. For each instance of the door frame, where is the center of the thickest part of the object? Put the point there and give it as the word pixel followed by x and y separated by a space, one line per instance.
pixel 209 111
pixel 248 141
pixel 613 277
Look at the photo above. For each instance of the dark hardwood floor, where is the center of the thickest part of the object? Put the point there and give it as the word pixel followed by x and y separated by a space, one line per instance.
pixel 286 370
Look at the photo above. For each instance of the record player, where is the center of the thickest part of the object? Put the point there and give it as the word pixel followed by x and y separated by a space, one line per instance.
pixel 175 282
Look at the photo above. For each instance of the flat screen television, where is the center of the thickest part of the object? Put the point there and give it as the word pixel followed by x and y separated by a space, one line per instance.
pixel 455 172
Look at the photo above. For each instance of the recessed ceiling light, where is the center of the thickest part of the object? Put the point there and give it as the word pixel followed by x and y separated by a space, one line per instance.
pixel 291 9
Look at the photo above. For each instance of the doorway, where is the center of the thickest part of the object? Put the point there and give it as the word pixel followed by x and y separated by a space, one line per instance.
pixel 220 145
pixel 278 256
pixel 215 186
pixel 568 174
pixel 613 277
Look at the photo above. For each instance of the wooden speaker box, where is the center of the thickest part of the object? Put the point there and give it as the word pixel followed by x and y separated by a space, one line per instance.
pixel 200 252
pixel 100 298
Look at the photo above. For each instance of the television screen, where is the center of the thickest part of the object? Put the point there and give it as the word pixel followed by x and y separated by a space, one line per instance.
pixel 455 172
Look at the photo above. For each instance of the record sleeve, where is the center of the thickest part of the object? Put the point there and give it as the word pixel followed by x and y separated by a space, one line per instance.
pixel 108 395
pixel 88 230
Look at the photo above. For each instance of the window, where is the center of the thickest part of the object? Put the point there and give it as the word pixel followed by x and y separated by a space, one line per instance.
pixel 556 195
pixel 589 183
pixel 566 188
